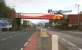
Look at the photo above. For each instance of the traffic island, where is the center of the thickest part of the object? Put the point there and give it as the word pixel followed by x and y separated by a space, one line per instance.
pixel 45 42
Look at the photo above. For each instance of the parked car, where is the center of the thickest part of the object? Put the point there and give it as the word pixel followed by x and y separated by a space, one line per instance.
pixel 5 25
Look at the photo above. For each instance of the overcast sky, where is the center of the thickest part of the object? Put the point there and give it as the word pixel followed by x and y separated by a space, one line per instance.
pixel 43 5
pixel 37 6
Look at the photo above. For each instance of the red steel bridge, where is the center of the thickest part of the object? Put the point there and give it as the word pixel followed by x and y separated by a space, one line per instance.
pixel 46 16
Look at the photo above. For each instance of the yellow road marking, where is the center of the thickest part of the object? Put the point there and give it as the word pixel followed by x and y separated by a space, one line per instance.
pixel 44 34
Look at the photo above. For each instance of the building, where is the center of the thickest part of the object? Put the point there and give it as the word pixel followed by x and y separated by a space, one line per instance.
pixel 74 20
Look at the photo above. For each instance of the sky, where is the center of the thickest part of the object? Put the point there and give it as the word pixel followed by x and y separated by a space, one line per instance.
pixel 41 6
pixel 35 6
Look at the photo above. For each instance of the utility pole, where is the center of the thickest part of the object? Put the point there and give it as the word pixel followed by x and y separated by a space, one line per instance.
pixel 78 15
pixel 77 5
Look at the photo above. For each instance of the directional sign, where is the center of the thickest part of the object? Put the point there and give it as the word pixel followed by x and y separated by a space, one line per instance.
pixel 61 11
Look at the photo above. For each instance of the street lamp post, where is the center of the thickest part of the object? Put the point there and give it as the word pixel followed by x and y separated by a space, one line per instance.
pixel 78 14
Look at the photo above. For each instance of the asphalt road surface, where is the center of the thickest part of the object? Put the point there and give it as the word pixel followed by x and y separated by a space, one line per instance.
pixel 13 40
pixel 71 40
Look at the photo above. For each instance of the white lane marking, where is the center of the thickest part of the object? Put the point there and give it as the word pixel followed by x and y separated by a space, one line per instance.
pixel 75 32
pixel 26 44
pixel 72 44
pixel 80 49
pixel 69 42
pixel 21 49
pixel 54 42
pixel 3 39
pixel 29 39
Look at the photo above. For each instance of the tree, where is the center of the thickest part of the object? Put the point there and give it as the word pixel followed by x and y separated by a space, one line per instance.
pixel 5 12
pixel 2 7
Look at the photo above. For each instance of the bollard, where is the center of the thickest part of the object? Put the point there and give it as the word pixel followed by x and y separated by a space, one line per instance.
pixel 54 42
